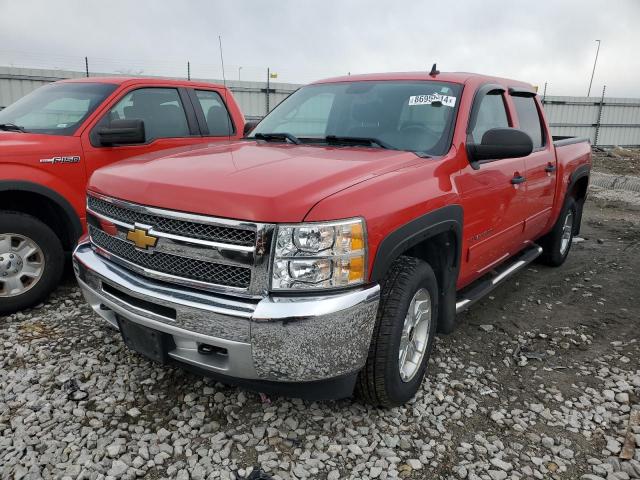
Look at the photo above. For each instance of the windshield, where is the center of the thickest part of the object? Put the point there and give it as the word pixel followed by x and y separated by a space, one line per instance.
pixel 417 116
pixel 56 109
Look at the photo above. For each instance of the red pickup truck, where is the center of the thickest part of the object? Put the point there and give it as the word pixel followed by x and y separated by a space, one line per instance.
pixel 53 139
pixel 323 252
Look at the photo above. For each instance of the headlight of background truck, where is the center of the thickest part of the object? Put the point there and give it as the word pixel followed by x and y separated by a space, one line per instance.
pixel 319 255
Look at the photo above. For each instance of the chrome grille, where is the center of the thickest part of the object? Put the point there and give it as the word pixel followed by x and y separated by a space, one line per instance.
pixel 190 229
pixel 213 273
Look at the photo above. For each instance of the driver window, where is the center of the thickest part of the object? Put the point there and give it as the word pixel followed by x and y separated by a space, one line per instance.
pixel 492 113
pixel 159 108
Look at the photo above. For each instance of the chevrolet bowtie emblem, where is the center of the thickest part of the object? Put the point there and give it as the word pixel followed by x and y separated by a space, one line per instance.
pixel 141 238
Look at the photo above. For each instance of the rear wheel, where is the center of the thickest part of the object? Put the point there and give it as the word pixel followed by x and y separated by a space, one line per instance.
pixel 31 261
pixel 403 335
pixel 557 243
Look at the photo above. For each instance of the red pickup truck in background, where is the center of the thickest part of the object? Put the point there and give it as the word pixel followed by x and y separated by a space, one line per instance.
pixel 323 252
pixel 53 139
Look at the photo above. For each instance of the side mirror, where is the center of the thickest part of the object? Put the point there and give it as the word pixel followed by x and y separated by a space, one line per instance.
pixel 500 143
pixel 249 126
pixel 122 132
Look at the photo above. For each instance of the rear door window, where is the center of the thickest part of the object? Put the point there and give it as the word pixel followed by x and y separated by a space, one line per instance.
pixel 215 113
pixel 529 119
pixel 492 113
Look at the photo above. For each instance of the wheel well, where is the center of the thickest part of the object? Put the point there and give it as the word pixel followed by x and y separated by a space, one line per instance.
pixel 44 209
pixel 441 253
pixel 579 190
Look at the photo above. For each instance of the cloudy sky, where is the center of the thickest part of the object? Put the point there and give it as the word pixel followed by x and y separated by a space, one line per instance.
pixel 537 41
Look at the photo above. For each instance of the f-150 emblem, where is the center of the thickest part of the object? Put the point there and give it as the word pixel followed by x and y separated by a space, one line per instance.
pixel 72 159
pixel 141 238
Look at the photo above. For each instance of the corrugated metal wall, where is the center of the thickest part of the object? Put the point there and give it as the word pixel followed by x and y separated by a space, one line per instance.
pixel 607 122
pixel 251 96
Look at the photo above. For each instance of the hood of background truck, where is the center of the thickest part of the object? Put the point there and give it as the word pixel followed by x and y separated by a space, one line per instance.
pixel 14 146
pixel 263 182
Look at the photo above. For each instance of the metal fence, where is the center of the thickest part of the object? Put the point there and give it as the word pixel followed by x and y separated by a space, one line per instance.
pixel 252 97
pixel 605 121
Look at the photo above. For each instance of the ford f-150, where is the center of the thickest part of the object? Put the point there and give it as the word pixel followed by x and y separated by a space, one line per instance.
pixel 53 139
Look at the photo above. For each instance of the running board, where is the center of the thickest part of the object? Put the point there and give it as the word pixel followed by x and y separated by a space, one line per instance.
pixel 495 277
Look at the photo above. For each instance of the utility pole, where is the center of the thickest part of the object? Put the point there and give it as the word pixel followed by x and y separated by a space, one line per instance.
pixel 188 70
pixel 544 93
pixel 594 67
pixel 268 77
pixel 86 66
pixel 239 70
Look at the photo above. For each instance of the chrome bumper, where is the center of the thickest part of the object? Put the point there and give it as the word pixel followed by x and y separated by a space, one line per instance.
pixel 283 339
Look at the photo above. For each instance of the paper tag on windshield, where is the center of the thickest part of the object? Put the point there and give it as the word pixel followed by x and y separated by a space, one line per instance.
pixel 429 99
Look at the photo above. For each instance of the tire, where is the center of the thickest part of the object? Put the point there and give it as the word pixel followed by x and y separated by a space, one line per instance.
pixel 41 271
pixel 557 243
pixel 380 382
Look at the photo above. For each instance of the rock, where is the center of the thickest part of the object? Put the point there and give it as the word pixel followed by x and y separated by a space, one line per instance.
pixel 486 328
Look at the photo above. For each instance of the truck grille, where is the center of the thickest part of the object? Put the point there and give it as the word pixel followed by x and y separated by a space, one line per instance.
pixel 189 229
pixel 202 271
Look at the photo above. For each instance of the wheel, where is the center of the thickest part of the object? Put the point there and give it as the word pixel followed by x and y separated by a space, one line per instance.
pixel 31 261
pixel 403 335
pixel 557 243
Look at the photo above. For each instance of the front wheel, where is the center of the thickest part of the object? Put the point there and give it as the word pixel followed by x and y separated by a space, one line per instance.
pixel 31 261
pixel 403 335
pixel 557 243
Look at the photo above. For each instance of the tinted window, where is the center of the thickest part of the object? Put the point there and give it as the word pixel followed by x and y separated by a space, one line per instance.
pixel 57 109
pixel 215 113
pixel 529 119
pixel 415 116
pixel 491 114
pixel 159 108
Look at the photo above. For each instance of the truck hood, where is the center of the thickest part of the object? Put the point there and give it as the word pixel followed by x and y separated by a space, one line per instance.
pixel 15 145
pixel 246 180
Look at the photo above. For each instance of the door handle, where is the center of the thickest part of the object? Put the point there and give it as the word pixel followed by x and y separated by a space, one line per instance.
pixel 550 168
pixel 518 179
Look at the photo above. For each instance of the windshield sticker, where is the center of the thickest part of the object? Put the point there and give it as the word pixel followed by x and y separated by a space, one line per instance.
pixel 433 98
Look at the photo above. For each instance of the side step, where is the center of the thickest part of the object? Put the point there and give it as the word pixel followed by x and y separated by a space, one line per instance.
pixel 478 289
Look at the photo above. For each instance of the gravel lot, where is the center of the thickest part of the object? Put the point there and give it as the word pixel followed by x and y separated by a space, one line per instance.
pixel 541 380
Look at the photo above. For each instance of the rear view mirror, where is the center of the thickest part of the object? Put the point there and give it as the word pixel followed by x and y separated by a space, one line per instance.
pixel 122 132
pixel 500 143
pixel 249 126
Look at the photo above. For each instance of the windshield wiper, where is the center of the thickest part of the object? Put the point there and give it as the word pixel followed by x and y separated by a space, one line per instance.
pixel 12 127
pixel 345 140
pixel 278 136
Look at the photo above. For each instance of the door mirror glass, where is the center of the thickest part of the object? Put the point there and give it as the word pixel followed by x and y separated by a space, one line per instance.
pixel 122 132
pixel 249 126
pixel 500 143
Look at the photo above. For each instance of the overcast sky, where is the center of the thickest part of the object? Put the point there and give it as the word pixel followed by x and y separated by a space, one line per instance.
pixel 536 41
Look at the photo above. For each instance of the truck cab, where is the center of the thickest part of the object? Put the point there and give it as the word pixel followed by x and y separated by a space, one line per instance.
pixel 53 139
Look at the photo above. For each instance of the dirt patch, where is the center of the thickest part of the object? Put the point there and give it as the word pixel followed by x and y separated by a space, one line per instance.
pixel 619 161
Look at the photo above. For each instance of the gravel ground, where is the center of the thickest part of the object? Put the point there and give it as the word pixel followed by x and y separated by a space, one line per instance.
pixel 541 380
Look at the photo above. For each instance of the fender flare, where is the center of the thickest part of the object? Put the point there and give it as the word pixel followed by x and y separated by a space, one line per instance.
pixel 410 234
pixel 69 212
pixel 580 172
pixel 445 219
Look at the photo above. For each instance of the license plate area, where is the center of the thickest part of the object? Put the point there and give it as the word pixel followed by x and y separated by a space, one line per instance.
pixel 153 344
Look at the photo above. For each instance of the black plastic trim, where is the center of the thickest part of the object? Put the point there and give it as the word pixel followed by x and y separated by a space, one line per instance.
pixel 477 99
pixel 330 389
pixel 410 234
pixel 521 92
pixel 70 214
pixel 190 112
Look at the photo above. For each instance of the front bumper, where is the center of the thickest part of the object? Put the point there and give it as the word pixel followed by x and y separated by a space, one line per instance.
pixel 274 339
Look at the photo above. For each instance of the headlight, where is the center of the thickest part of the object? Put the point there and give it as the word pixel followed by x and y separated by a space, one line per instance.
pixel 319 255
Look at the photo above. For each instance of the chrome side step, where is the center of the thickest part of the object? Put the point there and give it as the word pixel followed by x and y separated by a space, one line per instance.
pixel 470 295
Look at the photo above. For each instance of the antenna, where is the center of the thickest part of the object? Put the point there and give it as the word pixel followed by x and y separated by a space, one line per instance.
pixel 434 71
pixel 224 82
